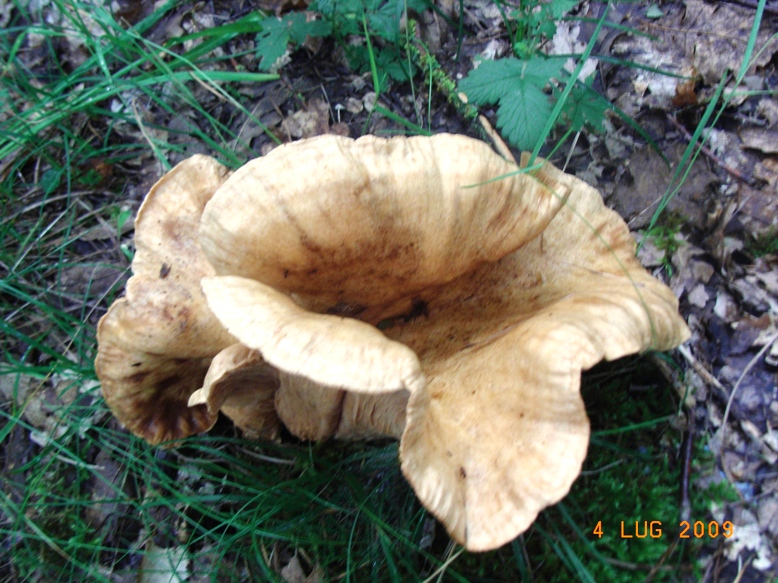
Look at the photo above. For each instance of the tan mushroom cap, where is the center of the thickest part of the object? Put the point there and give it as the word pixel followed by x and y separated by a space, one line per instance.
pixel 493 293
pixel 501 432
pixel 147 393
pixel 371 220
pixel 156 342
pixel 524 281
pixel 329 350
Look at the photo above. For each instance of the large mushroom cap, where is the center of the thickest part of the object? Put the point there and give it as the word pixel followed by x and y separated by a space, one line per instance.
pixel 523 282
pixel 500 431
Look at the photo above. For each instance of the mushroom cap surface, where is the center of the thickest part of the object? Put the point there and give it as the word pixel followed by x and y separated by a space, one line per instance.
pixel 155 344
pixel 329 350
pixel 524 281
pixel 366 222
pixel 501 431
pixel 243 386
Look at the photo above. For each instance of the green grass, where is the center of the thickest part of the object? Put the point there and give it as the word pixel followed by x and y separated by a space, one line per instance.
pixel 81 500
pixel 765 244
pixel 345 505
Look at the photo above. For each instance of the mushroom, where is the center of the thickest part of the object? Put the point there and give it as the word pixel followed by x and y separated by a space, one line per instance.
pixel 419 288
pixel 156 343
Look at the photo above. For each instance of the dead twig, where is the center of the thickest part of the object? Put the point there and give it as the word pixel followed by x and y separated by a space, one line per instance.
pixel 671 374
pixel 161 159
pixel 736 173
pixel 718 438
pixel 661 563
pixel 686 472
pixel 743 375
pixel 499 144
pixel 452 556
pixel 741 570
pixel 681 388
pixel 706 375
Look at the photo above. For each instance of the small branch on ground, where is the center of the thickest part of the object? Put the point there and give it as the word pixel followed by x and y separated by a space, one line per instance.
pixel 736 173
pixel 499 143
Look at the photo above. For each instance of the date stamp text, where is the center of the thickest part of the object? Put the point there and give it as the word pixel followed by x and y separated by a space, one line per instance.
pixel 654 529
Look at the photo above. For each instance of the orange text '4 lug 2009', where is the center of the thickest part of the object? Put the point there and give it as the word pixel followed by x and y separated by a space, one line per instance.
pixel 654 529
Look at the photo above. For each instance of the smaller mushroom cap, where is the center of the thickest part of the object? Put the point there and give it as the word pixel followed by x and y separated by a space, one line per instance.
pixel 243 386
pixel 155 344
pixel 329 350
pixel 147 393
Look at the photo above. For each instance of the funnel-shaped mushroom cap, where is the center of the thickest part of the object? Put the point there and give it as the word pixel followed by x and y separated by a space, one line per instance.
pixel 421 286
pixel 369 221
pixel 156 343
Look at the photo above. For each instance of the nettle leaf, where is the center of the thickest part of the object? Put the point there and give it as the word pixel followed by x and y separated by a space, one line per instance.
pixel 522 115
pixel 277 33
pixel 324 7
pixel 345 15
pixel 390 63
pixel 492 80
pixel 518 85
pixel 585 107
pixel 271 42
pixel 300 28
pixel 384 16
pixel 547 28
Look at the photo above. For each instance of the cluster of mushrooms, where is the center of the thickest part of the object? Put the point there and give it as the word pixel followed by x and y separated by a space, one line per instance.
pixel 418 288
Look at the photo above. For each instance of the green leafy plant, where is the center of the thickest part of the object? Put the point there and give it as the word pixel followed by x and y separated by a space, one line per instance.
pixel 585 107
pixel 518 86
pixel 384 20
pixel 534 21
pixel 528 85
pixel 522 89
pixel 765 244
pixel 343 19
pixel 277 33
pixel 665 237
